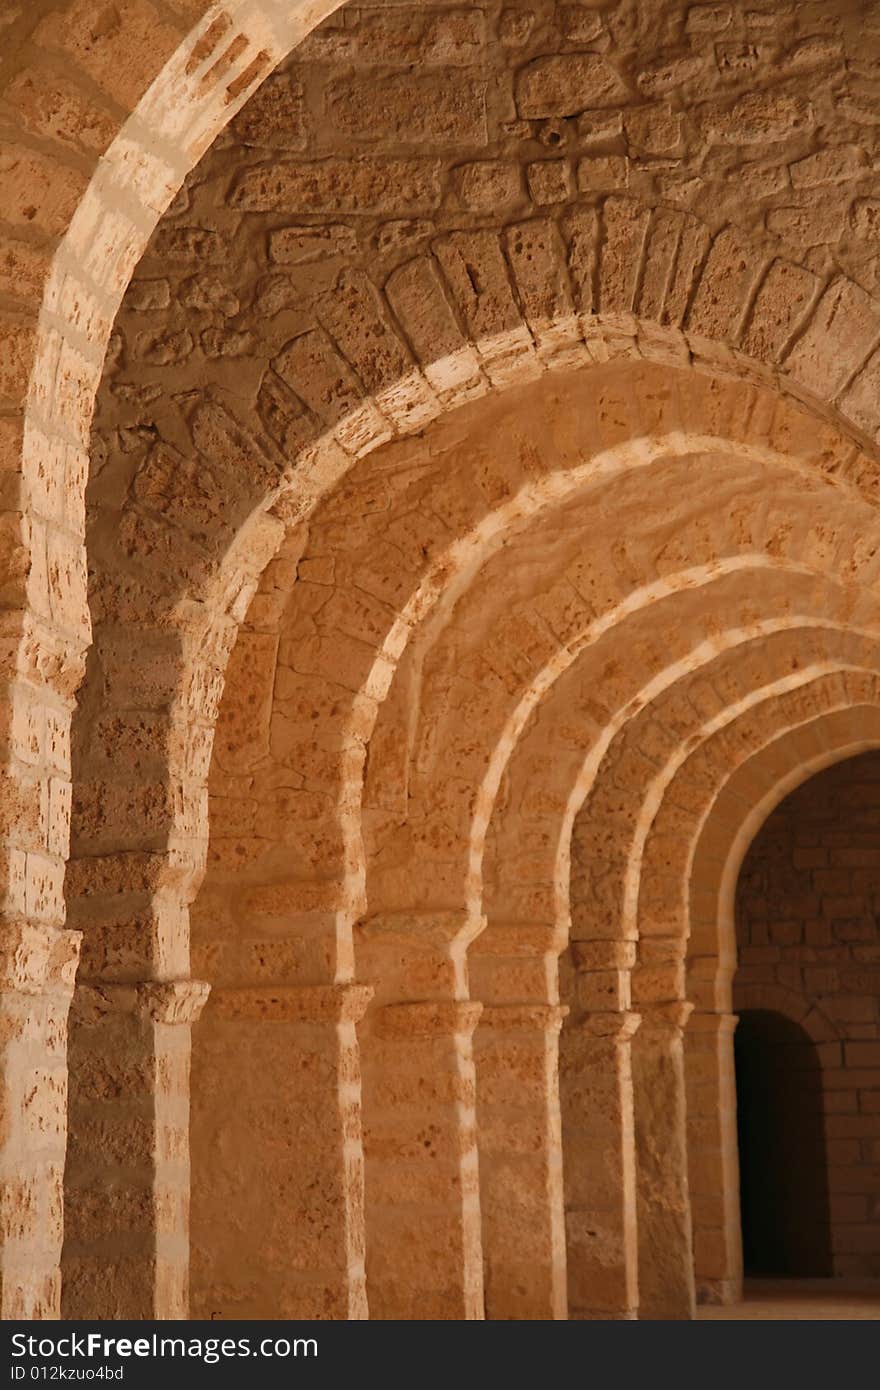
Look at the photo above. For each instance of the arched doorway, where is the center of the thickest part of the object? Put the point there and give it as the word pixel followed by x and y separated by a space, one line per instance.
pixel 806 1044
pixel 782 1148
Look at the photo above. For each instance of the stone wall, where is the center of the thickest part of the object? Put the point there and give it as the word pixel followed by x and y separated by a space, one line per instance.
pixel 662 220
pixel 807 924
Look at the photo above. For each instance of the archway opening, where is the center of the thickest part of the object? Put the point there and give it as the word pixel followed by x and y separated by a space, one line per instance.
pixel 808 1042
pixel 784 1202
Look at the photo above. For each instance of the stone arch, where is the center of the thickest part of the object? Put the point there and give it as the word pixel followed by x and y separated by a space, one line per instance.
pixel 39 906
pixel 604 959
pixel 814 741
pixel 300 904
pixel 818 1027
pixel 102 122
pixel 191 742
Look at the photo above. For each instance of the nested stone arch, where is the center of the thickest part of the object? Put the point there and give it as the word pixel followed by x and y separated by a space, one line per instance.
pixel 525 952
pixel 155 886
pixel 406 933
pixel 181 873
pixel 314 907
pixel 293 557
pixel 111 65
pixel 762 785
pixel 403 399
pixel 786 583
pixel 797 737
pixel 363 633
pixel 659 957
pixel 540 765
pixel 278 901
pixel 202 625
pixel 526 941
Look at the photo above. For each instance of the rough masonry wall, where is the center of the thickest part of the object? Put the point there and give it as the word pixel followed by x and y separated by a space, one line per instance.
pixel 486 116
pixel 807 922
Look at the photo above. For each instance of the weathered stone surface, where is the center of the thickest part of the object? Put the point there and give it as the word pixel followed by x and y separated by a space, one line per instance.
pixel 808 226
pixel 337 185
pixel 416 294
pixel 654 130
pixel 486 439
pixel 488 185
pixel 537 256
pixel 837 340
pixel 865 216
pixel 275 118
pixel 603 174
pixel 669 72
pixel 779 308
pixel 354 313
pixel 839 164
pixel 759 118
pixel 190 244
pixel 314 371
pixel 625 228
pixel 474 266
pixel 567 84
pixel 724 288
pixel 409 110
pixel 550 181
pixel 298 245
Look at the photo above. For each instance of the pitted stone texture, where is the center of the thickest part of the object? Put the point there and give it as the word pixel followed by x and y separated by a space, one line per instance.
pixel 696 151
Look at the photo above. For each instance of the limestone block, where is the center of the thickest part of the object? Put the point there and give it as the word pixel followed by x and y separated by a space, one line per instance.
pixel 845 317
pixel 276 116
pixel 567 84
pixel 411 110
pixel 337 185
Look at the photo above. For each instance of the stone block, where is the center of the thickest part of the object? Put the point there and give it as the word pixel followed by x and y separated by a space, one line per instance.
pixel 567 84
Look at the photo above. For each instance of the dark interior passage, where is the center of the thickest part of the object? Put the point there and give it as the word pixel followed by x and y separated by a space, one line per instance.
pixel 782 1150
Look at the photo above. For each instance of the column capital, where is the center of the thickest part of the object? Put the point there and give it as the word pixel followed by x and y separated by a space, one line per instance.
pixel 612 1026
pixel 712 1021
pixel 508 940
pixel 157 1001
pixel 422 927
pixel 524 1018
pixel 341 1003
pixel 670 1016
pixel 428 1018
pixel 613 954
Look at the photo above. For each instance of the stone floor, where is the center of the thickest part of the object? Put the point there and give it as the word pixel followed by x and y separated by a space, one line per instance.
pixel 805 1299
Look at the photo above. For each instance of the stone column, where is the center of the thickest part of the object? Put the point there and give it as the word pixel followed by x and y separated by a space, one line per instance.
pixel 599 1159
pixel 520 1142
pixel 424 1250
pixel 666 1265
pixel 126 1248
pixel 424 1254
pixel 597 1130
pixel 37 968
pixel 713 1157
pixel 277 1156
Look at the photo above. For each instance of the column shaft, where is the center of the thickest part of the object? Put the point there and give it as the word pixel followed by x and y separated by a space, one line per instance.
pixel 520 1142
pixel 126 1247
pixel 713 1159
pixel 277 1187
pixel 37 966
pixel 424 1255
pixel 599 1159
pixel 666 1267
